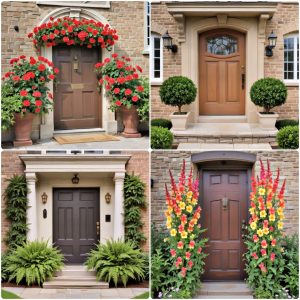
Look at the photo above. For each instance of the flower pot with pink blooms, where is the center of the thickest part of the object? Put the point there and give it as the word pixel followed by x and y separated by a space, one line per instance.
pixel 26 83
pixel 127 91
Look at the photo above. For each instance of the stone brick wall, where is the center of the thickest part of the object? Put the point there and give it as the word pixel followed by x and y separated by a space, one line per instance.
pixel 162 161
pixel 126 17
pixel 10 165
pixel 284 21
pixel 139 165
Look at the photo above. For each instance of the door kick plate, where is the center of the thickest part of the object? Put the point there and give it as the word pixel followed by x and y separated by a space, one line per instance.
pixel 77 86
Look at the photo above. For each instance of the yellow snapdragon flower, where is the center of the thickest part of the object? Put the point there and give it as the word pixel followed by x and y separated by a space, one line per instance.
pixel 189 208
pixel 262 213
pixel 260 233
pixel 173 232
pixel 253 225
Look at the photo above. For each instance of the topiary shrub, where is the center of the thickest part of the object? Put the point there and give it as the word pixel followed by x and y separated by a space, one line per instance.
pixel 268 93
pixel 33 263
pixel 288 137
pixel 161 123
pixel 117 261
pixel 161 138
pixel 178 91
pixel 283 123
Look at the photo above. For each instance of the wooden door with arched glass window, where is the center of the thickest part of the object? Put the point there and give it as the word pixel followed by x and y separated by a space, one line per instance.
pixel 222 72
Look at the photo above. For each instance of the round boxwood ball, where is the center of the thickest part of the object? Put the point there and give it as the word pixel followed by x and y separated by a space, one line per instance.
pixel 178 91
pixel 161 138
pixel 268 93
pixel 288 137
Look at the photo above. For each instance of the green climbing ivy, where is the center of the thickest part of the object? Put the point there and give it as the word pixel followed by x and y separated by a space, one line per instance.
pixel 16 205
pixel 134 194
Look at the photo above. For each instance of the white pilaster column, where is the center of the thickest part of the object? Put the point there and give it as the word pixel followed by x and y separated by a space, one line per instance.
pixel 119 229
pixel 32 207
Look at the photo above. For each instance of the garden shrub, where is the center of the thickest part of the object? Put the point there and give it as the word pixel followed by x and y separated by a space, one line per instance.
pixel 165 123
pixel 288 137
pixel 143 109
pixel 178 91
pixel 4 273
pixel 264 259
pixel 287 122
pixel 186 258
pixel 268 92
pixel 33 263
pixel 134 202
pixel 117 261
pixel 161 138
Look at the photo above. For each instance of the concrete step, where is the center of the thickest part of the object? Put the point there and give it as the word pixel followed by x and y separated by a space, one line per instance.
pixel 74 278
pixel 75 271
pixel 223 146
pixel 88 130
pixel 88 284
pixel 222 119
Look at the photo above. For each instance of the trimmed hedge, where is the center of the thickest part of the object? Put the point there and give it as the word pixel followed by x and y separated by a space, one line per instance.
pixel 287 122
pixel 161 123
pixel 268 93
pixel 161 138
pixel 178 91
pixel 288 137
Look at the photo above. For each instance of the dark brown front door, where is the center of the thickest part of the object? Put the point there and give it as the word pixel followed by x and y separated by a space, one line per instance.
pixel 222 72
pixel 75 213
pixel 224 210
pixel 77 101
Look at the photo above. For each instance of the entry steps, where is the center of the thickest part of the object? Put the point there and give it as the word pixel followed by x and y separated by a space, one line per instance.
pixel 75 277
pixel 224 290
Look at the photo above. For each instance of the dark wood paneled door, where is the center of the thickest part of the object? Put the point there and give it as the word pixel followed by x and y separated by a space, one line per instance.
pixel 77 101
pixel 75 216
pixel 224 211
pixel 222 72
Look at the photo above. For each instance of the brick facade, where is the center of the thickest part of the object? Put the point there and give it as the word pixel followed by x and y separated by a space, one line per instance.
pixel 11 164
pixel 284 21
pixel 288 162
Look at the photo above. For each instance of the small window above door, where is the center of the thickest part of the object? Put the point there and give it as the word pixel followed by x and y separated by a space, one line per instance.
pixel 222 45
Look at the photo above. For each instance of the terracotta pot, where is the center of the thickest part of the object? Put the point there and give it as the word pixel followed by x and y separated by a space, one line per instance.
pixel 131 121
pixel 23 127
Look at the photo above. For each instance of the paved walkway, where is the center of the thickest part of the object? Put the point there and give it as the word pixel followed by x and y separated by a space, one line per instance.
pixel 124 143
pixel 112 293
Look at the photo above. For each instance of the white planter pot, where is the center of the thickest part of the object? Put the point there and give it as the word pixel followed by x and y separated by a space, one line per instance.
pixel 179 122
pixel 267 121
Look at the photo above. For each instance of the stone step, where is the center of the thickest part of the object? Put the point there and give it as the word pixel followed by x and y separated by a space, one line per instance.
pixel 222 119
pixel 74 278
pixel 75 271
pixel 223 146
pixel 80 284
pixel 88 130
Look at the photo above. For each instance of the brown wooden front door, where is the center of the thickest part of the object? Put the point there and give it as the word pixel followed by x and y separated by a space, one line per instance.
pixel 222 72
pixel 77 101
pixel 224 210
pixel 75 216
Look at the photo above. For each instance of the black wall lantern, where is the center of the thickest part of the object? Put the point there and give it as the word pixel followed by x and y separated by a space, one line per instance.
pixel 168 44
pixel 272 39
pixel 75 179
pixel 44 198
pixel 108 198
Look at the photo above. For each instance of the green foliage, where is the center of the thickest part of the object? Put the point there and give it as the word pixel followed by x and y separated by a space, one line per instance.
pixel 117 261
pixel 134 202
pixel 161 123
pixel 142 296
pixel 268 93
pixel 288 137
pixel 291 267
pixel 283 123
pixel 8 295
pixel 178 91
pixel 143 108
pixel 11 103
pixel 33 263
pixel 16 205
pixel 4 273
pixel 158 237
pixel 161 138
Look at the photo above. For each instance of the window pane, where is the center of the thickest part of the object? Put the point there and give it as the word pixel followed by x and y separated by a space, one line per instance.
pixel 221 45
pixel 156 74
pixel 157 43
pixel 291 67
pixel 290 75
pixel 156 53
pixel 156 64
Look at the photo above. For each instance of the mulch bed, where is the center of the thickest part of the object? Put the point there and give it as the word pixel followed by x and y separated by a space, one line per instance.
pixel 14 285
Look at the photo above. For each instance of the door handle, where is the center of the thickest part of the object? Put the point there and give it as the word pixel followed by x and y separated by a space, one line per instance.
pixel 75 64
pixel 243 80
pixel 98 228
pixel 225 202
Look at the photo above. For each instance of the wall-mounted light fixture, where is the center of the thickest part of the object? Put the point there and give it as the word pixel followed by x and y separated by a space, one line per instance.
pixel 272 39
pixel 168 44
pixel 44 198
pixel 75 179
pixel 108 198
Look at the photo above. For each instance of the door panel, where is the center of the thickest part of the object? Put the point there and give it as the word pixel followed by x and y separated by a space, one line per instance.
pixel 77 101
pixel 224 209
pixel 222 63
pixel 75 213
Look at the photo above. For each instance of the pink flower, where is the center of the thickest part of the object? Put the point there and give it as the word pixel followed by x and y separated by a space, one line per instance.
pixel 23 93
pixel 190 263
pixel 199 250
pixel 263 252
pixel 273 243
pixel 116 91
pixel 255 238
pixel 264 244
pixel 128 92
pixel 262 267
pixel 180 245
pixel 183 271
pixel 191 244
pixel 188 255
pixel 135 98
pixel 173 252
pixel 272 256
pixel 118 103
pixel 36 94
pixel 254 255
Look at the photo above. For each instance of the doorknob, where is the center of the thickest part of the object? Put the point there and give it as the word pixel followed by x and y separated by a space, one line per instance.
pixel 98 228
pixel 75 64
pixel 225 202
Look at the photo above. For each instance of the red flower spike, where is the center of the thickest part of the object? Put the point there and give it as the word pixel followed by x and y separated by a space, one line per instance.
pixel 281 193
pixel 173 184
pixel 262 170
pixel 182 174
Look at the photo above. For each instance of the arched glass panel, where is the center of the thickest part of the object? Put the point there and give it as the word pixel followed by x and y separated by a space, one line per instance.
pixel 221 45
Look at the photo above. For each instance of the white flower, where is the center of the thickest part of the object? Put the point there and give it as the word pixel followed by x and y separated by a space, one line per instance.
pixel 160 294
